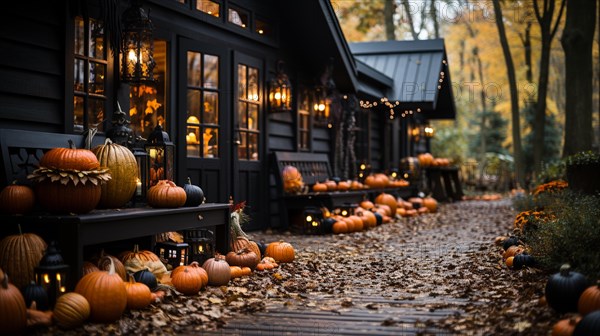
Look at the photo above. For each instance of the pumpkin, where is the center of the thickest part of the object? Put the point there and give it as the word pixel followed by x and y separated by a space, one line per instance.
pixel 523 259
pixel 512 240
pixel 331 185
pixel 218 271
pixel 280 251
pixel 34 292
pixel 509 262
pixel 378 218
pixel 166 194
pixel 147 278
pixel 358 222
pixel 355 185
pixel 236 271
pixel 319 187
pixel 430 203
pixel 16 199
pixel 123 170
pixel 138 260
pixel 246 271
pixel 368 218
pixel 89 267
pixel 588 325
pixel 417 202
pixel 565 327
pixel 19 255
pixel 366 204
pixel 139 295
pixel 194 195
pixel 69 180
pixel 242 258
pixel 292 179
pixel 327 224
pixel 425 159
pixel 106 294
pixel 194 266
pixel 13 312
pixel 589 300
pixel 106 260
pixel 564 288
pixel 513 251
pixel 71 310
pixel 187 281
pixel 343 186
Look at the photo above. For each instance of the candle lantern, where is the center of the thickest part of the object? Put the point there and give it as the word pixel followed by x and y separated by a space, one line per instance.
pixel 161 152
pixel 51 273
pixel 347 209
pixel 141 158
pixel 176 254
pixel 280 91
pixel 312 220
pixel 137 49
pixel 201 244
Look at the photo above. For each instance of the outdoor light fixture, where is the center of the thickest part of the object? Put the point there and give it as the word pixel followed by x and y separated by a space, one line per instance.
pixel 176 254
pixel 312 220
pixel 137 48
pixel 429 131
pixel 322 105
pixel 201 244
pixel 161 152
pixel 51 273
pixel 280 91
pixel 415 133
pixel 142 182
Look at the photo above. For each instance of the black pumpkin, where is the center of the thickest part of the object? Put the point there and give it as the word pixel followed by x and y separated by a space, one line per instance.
pixel 37 293
pixel 564 288
pixel 147 278
pixel 589 325
pixel 523 259
pixel 262 246
pixel 512 240
pixel 327 224
pixel 378 218
pixel 195 195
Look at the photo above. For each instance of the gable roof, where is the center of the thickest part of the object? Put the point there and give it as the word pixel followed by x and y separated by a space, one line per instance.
pixel 416 68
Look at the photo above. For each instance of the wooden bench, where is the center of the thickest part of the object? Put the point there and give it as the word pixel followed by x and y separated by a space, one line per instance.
pixel 444 183
pixel 79 235
pixel 314 167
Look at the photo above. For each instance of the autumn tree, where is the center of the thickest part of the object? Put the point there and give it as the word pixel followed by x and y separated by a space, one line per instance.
pixel 577 41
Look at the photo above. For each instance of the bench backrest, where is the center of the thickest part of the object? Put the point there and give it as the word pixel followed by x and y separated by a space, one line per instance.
pixel 20 151
pixel 314 167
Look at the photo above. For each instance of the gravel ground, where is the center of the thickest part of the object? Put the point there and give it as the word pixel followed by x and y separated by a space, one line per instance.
pixel 435 274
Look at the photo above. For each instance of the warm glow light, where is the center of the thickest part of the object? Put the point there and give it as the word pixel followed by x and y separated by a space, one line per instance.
pixel 46 278
pixel 363 166
pixel 309 218
pixel 277 95
pixel 260 31
pixel 394 174
pixel 344 212
pixel 58 276
pixel 132 56
pixel 321 107
pixel 200 249
pixel 315 223
pixel 63 289
pixel 405 175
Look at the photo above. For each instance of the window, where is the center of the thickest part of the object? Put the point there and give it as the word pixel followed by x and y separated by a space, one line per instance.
pixel 202 135
pixel 263 28
pixel 304 120
pixel 147 107
pixel 209 7
pixel 238 17
pixel 248 112
pixel 89 75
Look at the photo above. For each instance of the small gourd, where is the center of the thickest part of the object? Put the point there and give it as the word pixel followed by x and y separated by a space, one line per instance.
pixel 139 295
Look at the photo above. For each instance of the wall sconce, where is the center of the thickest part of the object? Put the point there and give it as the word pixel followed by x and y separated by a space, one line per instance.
pixel 161 152
pixel 429 131
pixel 176 254
pixel 201 244
pixel 137 49
pixel 322 105
pixel 51 273
pixel 415 133
pixel 280 91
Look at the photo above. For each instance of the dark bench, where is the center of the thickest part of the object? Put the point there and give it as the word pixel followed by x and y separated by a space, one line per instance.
pixel 314 167
pixel 444 183
pixel 20 152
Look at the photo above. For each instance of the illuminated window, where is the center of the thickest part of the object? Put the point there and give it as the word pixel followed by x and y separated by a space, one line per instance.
pixel 263 28
pixel 238 17
pixel 89 75
pixel 248 129
pixel 304 121
pixel 209 7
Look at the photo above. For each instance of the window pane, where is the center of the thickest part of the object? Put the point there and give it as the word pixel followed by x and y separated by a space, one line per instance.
pixel 211 71
pixel 252 116
pixel 78 109
pixel 97 78
pixel 252 84
pixel 262 28
pixel 193 105
pixel 192 138
pixel 79 75
pixel 194 69
pixel 97 49
pixel 211 108
pixel 242 82
pixel 253 146
pixel 243 146
pixel 238 17
pixel 211 142
pixel 209 7
pixel 79 36
pixel 96 114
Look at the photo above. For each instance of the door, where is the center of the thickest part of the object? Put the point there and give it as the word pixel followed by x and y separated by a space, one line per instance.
pixel 203 118
pixel 249 153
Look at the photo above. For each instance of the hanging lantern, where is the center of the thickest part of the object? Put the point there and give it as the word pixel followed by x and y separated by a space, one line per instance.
pixel 322 105
pixel 137 53
pixel 429 131
pixel 161 152
pixel 280 91
pixel 51 273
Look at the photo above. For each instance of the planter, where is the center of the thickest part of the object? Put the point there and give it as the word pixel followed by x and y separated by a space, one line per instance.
pixel 584 177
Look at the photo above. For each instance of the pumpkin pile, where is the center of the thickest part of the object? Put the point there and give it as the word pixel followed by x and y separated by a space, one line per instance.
pixel 515 254
pixel 416 206
pixel 69 180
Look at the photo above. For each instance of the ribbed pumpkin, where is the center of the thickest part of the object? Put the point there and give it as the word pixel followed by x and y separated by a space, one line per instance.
pixel 123 170
pixel 105 261
pixel 280 251
pixel 194 266
pixel 139 295
pixel 565 327
pixel 589 300
pixel 16 199
pixel 106 294
pixel 389 200
pixel 193 193
pixel 187 280
pixel 292 179
pixel 13 312
pixel 564 288
pixel 69 180
pixel 166 194
pixel 34 292
pixel 138 260
pixel 19 255
pixel 589 325
pixel 242 258
pixel 71 310
pixel 218 271
pixel 147 278
pixel 88 267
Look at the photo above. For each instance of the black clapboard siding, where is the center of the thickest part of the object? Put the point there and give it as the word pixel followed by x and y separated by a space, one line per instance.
pixel 27 31
pixel 31 109
pixel 321 140
pixel 31 83
pixel 376 141
pixel 30 57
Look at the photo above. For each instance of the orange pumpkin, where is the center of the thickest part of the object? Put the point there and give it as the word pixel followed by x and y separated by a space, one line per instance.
pixel 194 266
pixel 187 281
pixel 166 194
pixel 565 327
pixel 319 187
pixel 425 160
pixel 138 294
pixel 71 310
pixel 19 255
pixel 16 199
pixel 343 185
pixel 339 227
pixel 430 203
pixel 366 204
pixel 292 179
pixel 280 251
pixel 13 312
pixel 589 300
pixel 388 200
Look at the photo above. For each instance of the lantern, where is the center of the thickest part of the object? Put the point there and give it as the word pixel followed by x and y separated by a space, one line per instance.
pixel 201 244
pixel 280 91
pixel 312 220
pixel 51 273
pixel 176 254
pixel 429 131
pixel 161 155
pixel 322 105
pixel 347 209
pixel 142 183
pixel 137 49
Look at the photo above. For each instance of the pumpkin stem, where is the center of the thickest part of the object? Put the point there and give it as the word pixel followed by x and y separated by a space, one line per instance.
pixel 108 141
pixel 136 248
pixel 189 180
pixel 111 267
pixel 71 144
pixel 20 231
pixel 564 269
pixel 4 283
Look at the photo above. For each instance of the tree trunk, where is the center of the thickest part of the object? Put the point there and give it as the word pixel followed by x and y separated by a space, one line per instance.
pixel 528 58
pixel 514 96
pixel 434 18
pixel 577 41
pixel 388 16
pixel 409 18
